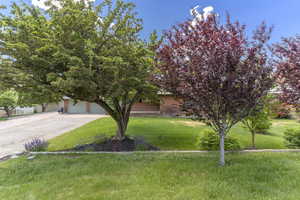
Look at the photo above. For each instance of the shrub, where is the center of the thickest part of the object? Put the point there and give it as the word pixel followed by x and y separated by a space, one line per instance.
pixel 263 127
pixel 292 138
pixel 280 110
pixel 36 144
pixel 211 141
pixel 258 121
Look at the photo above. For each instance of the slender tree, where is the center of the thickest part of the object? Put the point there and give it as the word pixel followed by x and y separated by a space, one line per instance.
pixel 258 121
pixel 214 67
pixel 287 62
pixel 89 52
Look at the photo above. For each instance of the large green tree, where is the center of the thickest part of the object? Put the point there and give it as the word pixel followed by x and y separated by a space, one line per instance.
pixel 89 52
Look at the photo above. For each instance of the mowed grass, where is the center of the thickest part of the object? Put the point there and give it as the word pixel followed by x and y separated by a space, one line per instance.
pixel 3 118
pixel 169 133
pixel 156 176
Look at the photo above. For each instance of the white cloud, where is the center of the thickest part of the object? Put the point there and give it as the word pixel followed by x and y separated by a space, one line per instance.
pixel 207 11
pixel 41 3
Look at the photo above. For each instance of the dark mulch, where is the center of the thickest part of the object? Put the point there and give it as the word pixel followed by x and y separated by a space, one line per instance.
pixel 113 145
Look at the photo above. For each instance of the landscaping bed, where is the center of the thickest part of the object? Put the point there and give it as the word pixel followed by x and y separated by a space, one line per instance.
pixel 113 145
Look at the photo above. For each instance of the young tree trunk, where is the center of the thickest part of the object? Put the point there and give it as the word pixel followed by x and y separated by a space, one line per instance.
pixel 253 139
pixel 222 148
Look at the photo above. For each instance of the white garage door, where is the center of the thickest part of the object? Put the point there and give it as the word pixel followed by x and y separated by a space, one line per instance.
pixel 96 109
pixel 78 108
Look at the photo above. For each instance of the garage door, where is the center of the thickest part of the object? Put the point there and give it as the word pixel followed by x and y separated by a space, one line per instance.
pixel 78 108
pixel 96 109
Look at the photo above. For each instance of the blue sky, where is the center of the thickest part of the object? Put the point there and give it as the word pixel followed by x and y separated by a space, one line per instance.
pixel 162 14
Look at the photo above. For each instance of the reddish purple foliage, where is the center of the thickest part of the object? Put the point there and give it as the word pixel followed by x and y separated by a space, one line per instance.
pixel 287 62
pixel 216 68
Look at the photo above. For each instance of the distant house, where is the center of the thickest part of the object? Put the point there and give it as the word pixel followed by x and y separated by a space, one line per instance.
pixel 169 105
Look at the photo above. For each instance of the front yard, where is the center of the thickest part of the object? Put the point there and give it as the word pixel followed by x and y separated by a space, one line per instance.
pixel 163 176
pixel 158 176
pixel 169 133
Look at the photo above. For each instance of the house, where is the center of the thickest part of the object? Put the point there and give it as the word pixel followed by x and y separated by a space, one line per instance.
pixel 169 105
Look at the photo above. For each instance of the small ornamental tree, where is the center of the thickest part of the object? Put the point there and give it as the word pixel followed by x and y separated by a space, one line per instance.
pixel 216 69
pixel 8 101
pixel 287 62
pixel 87 51
pixel 258 121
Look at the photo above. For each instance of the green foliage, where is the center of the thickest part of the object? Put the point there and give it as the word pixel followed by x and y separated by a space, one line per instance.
pixel 292 137
pixel 86 52
pixel 258 121
pixel 8 101
pixel 38 95
pixel 210 140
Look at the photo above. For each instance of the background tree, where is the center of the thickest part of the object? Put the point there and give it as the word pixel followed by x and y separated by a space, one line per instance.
pixel 258 121
pixel 278 108
pixel 287 62
pixel 8 101
pixel 86 52
pixel 38 95
pixel 217 69
pixel 30 92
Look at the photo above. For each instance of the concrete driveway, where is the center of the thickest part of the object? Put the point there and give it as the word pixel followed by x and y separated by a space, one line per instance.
pixel 15 132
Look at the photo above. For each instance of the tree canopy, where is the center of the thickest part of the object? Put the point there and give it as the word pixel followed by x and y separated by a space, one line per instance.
pixel 89 52
pixel 287 62
pixel 219 72
pixel 8 101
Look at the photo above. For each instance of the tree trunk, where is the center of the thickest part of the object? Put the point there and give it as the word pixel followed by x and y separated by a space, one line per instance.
pixel 120 112
pixel 253 140
pixel 222 148
pixel 122 127
pixel 7 111
pixel 44 107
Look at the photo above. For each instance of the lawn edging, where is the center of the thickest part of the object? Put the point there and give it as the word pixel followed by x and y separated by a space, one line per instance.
pixel 132 152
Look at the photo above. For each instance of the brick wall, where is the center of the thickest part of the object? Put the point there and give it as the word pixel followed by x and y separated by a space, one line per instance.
pixel 145 107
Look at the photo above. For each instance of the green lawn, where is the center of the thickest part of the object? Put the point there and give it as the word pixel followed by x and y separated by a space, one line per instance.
pixel 159 176
pixel 3 118
pixel 169 133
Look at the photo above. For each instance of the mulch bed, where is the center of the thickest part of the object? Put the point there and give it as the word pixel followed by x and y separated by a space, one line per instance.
pixel 113 145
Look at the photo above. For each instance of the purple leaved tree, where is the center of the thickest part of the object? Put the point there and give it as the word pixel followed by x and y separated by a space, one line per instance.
pixel 216 69
pixel 287 62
